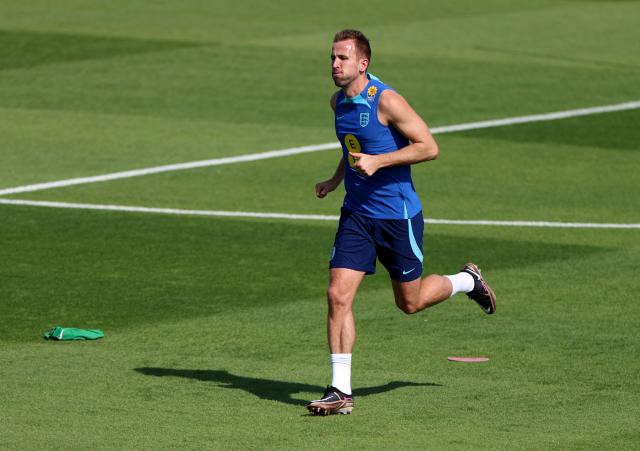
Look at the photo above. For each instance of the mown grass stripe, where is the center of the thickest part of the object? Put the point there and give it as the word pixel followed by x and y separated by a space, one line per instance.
pixel 558 115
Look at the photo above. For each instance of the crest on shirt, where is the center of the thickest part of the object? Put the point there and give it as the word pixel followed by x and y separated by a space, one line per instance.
pixel 364 119
pixel 371 93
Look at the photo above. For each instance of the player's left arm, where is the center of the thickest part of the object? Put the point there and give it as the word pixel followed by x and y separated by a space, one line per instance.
pixel 395 111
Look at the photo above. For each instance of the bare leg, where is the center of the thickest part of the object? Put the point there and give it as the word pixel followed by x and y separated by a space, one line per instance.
pixel 419 294
pixel 341 328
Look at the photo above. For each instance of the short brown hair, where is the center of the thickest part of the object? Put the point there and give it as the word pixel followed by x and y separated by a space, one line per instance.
pixel 362 43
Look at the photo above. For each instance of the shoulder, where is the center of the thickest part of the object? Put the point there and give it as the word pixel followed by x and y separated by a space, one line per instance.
pixel 389 98
pixel 392 105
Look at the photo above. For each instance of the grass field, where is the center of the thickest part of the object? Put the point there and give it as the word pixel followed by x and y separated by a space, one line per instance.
pixel 215 327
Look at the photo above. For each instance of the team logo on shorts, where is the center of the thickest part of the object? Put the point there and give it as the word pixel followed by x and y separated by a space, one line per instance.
pixel 371 93
pixel 364 119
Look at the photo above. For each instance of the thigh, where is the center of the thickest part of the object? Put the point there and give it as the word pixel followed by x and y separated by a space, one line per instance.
pixel 399 247
pixel 354 247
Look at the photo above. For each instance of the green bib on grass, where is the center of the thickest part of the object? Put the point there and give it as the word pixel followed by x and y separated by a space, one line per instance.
pixel 72 333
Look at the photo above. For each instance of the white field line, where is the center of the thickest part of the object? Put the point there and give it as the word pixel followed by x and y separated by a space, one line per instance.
pixel 539 117
pixel 169 168
pixel 300 217
pixel 314 148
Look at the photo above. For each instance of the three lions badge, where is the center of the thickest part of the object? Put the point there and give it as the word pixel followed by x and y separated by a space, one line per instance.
pixel 364 119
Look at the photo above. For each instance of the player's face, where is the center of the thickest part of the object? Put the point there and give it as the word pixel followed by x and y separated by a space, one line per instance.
pixel 345 65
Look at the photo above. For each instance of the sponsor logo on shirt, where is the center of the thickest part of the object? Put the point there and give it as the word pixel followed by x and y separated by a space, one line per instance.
pixel 371 93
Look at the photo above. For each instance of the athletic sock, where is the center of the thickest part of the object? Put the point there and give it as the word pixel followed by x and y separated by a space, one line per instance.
pixel 462 282
pixel 341 372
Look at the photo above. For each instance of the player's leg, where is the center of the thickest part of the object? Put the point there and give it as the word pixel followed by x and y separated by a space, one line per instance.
pixel 419 294
pixel 400 251
pixel 341 328
pixel 416 295
pixel 341 334
pixel 353 256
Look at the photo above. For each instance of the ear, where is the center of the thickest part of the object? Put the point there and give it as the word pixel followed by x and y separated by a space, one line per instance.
pixel 363 64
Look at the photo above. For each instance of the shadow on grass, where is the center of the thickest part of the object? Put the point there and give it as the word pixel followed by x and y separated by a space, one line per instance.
pixel 19 49
pixel 269 389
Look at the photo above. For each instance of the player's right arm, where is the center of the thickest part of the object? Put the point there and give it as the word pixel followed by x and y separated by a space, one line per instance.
pixel 324 188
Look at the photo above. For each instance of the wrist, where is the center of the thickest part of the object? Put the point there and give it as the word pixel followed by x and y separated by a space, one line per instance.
pixel 383 160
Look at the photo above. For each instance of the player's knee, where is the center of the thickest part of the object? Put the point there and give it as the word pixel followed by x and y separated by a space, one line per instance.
pixel 338 299
pixel 408 306
pixel 409 309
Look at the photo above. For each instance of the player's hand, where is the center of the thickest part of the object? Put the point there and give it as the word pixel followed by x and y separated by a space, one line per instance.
pixel 365 164
pixel 324 188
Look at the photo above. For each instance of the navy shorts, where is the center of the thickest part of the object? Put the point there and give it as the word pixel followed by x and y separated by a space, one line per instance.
pixel 397 243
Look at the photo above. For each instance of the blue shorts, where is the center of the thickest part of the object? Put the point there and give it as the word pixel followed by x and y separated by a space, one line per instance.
pixel 397 243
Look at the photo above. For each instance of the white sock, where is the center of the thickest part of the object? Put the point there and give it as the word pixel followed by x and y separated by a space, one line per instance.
pixel 462 282
pixel 341 372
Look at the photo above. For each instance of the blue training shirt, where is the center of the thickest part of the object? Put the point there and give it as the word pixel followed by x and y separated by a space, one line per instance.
pixel 389 193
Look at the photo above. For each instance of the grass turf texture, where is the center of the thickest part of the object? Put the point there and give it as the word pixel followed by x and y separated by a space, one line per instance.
pixel 215 328
pixel 196 356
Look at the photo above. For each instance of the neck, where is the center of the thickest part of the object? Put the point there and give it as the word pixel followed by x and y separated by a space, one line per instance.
pixel 356 86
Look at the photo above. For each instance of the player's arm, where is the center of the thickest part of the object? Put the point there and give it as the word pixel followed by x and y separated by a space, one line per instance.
pixel 394 110
pixel 324 188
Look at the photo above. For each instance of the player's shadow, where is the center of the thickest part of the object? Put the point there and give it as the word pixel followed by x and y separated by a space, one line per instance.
pixel 267 388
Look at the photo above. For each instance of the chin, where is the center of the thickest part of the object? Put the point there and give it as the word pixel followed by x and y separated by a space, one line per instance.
pixel 340 82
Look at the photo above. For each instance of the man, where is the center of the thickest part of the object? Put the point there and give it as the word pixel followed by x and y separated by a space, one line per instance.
pixel 381 136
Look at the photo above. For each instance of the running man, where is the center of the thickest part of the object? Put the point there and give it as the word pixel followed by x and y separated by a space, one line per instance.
pixel 381 217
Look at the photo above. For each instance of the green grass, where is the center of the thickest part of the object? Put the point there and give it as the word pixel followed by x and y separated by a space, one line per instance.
pixel 198 354
pixel 215 328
